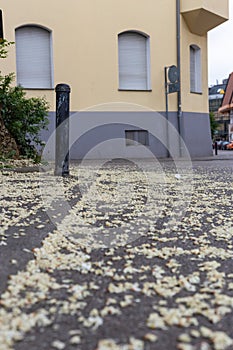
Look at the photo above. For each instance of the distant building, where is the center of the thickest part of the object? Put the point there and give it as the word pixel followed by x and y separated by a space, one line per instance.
pixel 226 109
pixel 216 94
pixel 113 54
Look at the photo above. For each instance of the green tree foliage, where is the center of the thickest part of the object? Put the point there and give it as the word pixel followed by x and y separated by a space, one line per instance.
pixel 213 124
pixel 23 117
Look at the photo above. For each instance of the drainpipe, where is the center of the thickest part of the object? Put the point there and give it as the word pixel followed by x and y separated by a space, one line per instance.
pixel 179 111
pixel 1 26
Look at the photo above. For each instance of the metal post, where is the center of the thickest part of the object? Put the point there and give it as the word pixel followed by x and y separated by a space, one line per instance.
pixel 216 148
pixel 179 110
pixel 166 100
pixel 62 130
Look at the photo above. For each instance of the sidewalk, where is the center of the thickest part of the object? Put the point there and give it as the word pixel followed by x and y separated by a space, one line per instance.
pixel 221 155
pixel 31 168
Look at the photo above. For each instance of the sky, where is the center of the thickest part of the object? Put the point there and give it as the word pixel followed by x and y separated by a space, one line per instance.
pixel 220 50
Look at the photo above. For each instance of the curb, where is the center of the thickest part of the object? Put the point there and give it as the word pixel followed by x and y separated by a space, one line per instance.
pixel 36 169
pixel 29 169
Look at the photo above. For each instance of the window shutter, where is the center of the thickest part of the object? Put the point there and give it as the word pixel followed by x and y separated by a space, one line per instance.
pixel 195 69
pixel 133 62
pixel 129 135
pixel 33 57
pixel 198 70
pixel 192 70
pixel 136 137
pixel 143 137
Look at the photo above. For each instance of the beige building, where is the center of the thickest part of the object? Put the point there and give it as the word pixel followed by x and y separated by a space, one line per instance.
pixel 113 54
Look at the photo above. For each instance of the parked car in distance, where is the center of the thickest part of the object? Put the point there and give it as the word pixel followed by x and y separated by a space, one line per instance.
pixel 224 145
pixel 219 144
pixel 230 146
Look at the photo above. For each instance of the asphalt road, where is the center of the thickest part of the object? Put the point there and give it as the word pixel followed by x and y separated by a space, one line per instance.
pixel 141 259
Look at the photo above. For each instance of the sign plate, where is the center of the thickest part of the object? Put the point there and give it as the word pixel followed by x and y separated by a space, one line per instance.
pixel 173 88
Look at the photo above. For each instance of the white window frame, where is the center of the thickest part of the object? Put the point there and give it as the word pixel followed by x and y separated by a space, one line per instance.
pixel 131 85
pixel 34 84
pixel 195 69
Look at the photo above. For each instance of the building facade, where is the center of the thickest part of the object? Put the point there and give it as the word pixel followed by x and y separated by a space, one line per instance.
pixel 216 94
pixel 226 108
pixel 113 55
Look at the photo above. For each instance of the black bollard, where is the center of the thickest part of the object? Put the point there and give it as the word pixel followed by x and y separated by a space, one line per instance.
pixel 62 130
pixel 216 148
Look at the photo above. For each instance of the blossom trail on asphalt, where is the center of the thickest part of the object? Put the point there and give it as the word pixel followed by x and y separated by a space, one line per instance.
pixel 139 260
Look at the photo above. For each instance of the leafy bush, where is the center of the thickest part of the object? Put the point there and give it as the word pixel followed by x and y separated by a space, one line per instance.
pixel 4 44
pixel 23 117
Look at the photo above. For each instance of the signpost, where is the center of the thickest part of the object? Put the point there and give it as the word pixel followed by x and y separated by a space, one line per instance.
pixel 172 84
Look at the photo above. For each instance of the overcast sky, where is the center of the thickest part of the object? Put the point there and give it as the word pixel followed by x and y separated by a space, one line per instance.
pixel 220 50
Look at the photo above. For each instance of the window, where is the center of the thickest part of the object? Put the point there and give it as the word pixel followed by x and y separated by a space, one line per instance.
pixel 136 137
pixel 33 57
pixel 134 61
pixel 195 69
pixel 214 104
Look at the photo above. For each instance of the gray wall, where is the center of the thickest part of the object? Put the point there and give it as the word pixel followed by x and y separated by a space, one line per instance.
pixel 98 135
pixel 195 128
